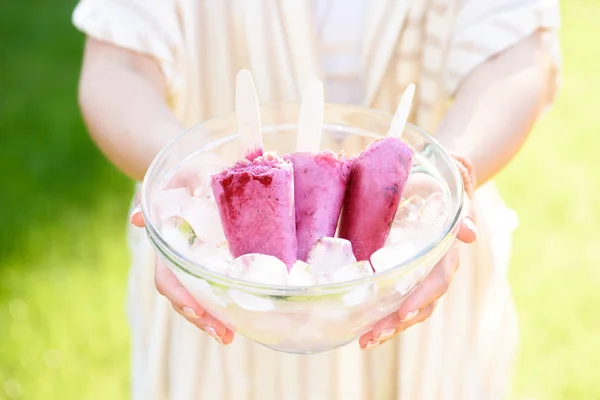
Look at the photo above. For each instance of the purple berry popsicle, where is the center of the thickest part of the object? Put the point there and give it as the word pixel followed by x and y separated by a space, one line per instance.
pixel 320 177
pixel 256 205
pixel 319 187
pixel 377 178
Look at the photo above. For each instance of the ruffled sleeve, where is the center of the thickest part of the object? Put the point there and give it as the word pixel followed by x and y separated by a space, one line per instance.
pixel 149 27
pixel 486 28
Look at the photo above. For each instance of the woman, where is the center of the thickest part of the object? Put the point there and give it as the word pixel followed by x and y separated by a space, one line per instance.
pixel 484 73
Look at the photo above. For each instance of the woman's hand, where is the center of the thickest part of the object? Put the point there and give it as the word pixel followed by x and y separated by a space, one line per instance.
pixel 419 305
pixel 182 301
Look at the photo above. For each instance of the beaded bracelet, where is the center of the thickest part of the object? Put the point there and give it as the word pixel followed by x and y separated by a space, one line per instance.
pixel 467 173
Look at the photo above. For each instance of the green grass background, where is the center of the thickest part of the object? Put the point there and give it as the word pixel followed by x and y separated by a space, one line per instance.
pixel 64 261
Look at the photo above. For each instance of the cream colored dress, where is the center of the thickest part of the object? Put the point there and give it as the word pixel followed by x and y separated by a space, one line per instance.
pixel 466 349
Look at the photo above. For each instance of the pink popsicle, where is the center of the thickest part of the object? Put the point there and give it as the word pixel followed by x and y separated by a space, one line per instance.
pixel 377 178
pixel 256 206
pixel 319 187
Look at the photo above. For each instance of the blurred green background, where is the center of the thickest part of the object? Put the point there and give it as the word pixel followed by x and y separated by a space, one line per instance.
pixel 64 260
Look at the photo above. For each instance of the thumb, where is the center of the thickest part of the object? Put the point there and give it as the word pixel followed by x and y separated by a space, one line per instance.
pixel 467 231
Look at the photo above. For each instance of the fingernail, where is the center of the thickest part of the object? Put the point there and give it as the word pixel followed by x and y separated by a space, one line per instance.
pixel 190 313
pixel 372 343
pixel 211 331
pixel 386 334
pixel 471 225
pixel 135 210
pixel 410 316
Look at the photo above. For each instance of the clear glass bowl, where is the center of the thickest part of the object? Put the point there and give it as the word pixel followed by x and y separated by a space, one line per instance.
pixel 317 318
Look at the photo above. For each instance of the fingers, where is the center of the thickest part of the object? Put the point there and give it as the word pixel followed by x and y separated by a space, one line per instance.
pixel 392 325
pixel 434 286
pixel 228 338
pixel 183 303
pixel 169 286
pixel 419 305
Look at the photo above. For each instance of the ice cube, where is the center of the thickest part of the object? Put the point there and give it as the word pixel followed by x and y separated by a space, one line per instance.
pixel 322 278
pixel 251 302
pixel 178 233
pixel 410 280
pixel 194 174
pixel 406 221
pixel 203 216
pixel 402 233
pixel 329 254
pixel 259 268
pixel 206 165
pixel 409 210
pixel 215 258
pixel 301 274
pixel 167 203
pixel 416 226
pixel 391 256
pixel 435 210
pixel 200 289
pixel 356 270
pixel 360 295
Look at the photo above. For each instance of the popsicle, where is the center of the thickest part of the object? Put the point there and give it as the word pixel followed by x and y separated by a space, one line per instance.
pixel 255 197
pixel 256 206
pixel 319 187
pixel 320 177
pixel 377 178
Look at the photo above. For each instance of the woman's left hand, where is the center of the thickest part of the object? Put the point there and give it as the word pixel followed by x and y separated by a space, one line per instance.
pixel 419 305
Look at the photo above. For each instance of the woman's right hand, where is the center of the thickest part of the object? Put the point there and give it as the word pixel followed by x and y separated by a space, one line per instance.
pixel 118 89
pixel 182 301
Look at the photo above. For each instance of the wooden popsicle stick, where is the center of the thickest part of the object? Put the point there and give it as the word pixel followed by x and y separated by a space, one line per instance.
pixel 248 116
pixel 310 122
pixel 402 112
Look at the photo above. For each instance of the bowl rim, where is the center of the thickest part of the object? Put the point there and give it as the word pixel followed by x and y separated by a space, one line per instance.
pixel 213 277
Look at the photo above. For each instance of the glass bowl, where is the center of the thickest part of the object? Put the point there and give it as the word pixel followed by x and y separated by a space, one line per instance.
pixel 303 320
